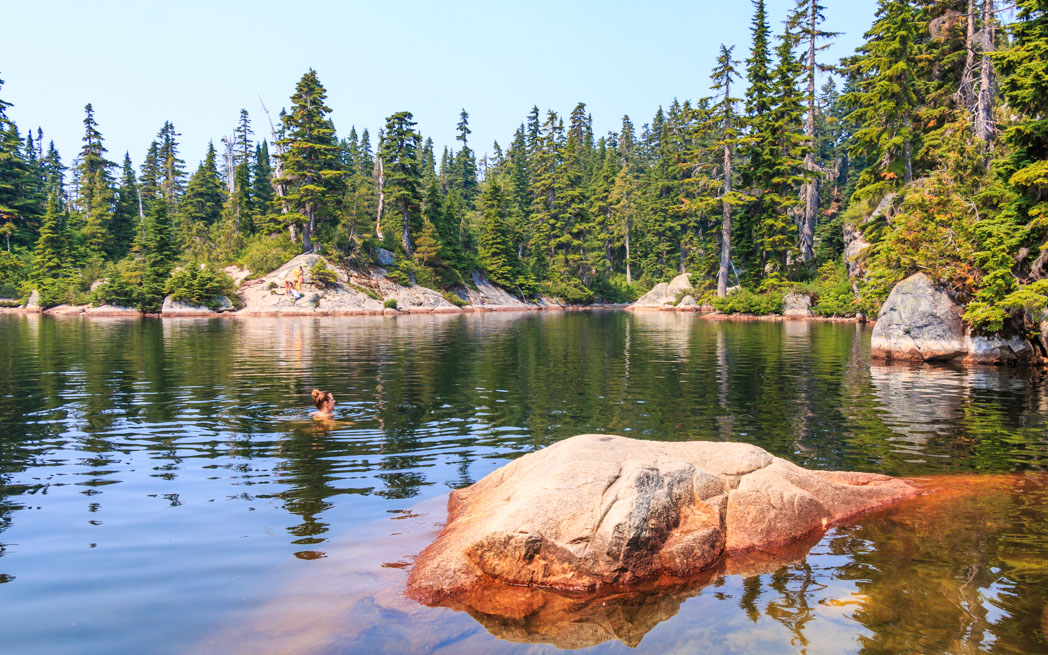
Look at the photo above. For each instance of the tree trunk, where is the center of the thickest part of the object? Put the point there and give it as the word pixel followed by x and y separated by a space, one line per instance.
pixel 966 90
pixel 406 230
pixel 725 254
pixel 381 197
pixel 307 229
pixel 984 123
pixel 629 275
pixel 811 198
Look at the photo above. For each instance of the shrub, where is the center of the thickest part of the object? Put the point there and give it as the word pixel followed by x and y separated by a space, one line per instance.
pixel 454 299
pixel 266 252
pixel 366 292
pixel 570 291
pixel 833 291
pixel 391 303
pixel 321 275
pixel 199 286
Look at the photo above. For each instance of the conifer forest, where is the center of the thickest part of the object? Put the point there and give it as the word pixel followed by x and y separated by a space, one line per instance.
pixel 929 143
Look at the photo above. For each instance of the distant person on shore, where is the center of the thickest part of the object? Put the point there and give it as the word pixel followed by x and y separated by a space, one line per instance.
pixel 293 284
pixel 325 403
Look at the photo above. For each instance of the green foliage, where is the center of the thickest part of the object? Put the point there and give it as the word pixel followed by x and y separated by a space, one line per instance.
pixel 454 299
pixel 321 275
pixel 263 253
pixel 199 286
pixel 365 291
pixel 14 266
pixel 569 291
pixel 390 303
pixel 832 291
pixel 122 286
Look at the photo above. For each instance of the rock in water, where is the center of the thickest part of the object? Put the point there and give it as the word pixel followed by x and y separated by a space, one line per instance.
pixel 599 510
pixel 919 322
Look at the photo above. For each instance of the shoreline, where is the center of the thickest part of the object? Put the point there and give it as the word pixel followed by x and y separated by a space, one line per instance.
pixel 84 311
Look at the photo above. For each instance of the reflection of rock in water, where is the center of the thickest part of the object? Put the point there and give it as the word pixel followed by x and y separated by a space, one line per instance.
pixel 572 621
pixel 920 401
pixel 668 331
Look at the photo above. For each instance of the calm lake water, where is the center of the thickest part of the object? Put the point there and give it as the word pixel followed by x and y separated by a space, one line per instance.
pixel 163 488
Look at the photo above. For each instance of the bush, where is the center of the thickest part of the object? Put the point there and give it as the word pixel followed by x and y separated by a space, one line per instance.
pixel 616 290
pixel 321 275
pixel 366 292
pixel 454 299
pixel 746 301
pixel 833 291
pixel 13 269
pixel 570 291
pixel 199 286
pixel 391 303
pixel 266 252
pixel 121 289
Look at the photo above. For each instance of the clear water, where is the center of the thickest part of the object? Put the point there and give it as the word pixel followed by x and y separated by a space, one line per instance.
pixel 163 488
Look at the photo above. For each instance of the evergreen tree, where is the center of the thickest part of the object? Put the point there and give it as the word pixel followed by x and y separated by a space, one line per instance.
pixel 496 252
pixel 884 101
pixel 172 180
pixel 261 185
pixel 201 207
pixel 95 199
pixel 465 162
pixel 403 195
pixel 123 226
pixel 807 17
pixel 758 149
pixel 159 249
pixel 310 159
pixel 724 115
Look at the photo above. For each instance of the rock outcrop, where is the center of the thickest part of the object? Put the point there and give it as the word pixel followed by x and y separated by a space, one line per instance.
pixel 919 322
pixel 176 308
pixel 596 511
pixel 666 294
pixel 266 296
pixel 486 295
pixel 796 305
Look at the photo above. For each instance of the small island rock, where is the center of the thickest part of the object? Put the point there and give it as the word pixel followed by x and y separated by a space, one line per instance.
pixel 599 510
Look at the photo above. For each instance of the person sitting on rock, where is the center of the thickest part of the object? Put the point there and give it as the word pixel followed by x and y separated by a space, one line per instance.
pixel 290 285
pixel 325 403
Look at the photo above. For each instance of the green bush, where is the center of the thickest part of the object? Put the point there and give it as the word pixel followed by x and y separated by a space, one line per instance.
pixel 616 290
pixel 391 303
pixel 13 269
pixel 121 289
pixel 199 286
pixel 321 275
pixel 570 291
pixel 454 299
pixel 267 252
pixel 833 291
pixel 746 301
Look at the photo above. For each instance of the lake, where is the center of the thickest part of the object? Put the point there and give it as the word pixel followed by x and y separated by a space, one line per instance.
pixel 163 488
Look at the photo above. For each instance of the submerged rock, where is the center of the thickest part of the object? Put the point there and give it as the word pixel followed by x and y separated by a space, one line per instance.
pixel 596 511
pixel 919 322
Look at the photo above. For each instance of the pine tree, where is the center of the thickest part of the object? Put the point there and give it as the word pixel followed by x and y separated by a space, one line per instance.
pixel 465 162
pixel 262 186
pixel 884 101
pixel 201 207
pixel 123 226
pixel 724 114
pixel 547 211
pixel 807 17
pixel 95 200
pixel 172 180
pixel 53 252
pixel 159 250
pixel 403 195
pixel 758 149
pixel 310 159
pixel 497 255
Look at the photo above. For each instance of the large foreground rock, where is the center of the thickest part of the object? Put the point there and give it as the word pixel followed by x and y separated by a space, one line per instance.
pixel 600 510
pixel 666 294
pixel 919 322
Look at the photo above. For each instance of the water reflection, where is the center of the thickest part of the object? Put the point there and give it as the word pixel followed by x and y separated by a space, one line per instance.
pixel 187 446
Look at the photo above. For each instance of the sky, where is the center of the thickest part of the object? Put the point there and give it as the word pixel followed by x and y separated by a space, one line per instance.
pixel 197 63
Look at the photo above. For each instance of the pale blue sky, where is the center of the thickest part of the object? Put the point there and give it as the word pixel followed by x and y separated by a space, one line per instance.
pixel 196 63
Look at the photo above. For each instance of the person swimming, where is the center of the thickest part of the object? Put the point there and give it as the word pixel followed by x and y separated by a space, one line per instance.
pixel 325 403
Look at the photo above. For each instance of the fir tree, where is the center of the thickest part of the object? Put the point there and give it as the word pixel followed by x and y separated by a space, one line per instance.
pixel 124 224
pixel 95 199
pixel 496 252
pixel 403 195
pixel 201 207
pixel 159 250
pixel 310 159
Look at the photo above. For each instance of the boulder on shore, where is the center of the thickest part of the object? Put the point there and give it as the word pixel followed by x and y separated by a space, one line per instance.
pixel 919 322
pixel 595 510
pixel 666 294
pixel 796 305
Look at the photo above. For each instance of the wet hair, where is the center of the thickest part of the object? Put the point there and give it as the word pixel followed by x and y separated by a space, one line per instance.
pixel 320 397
